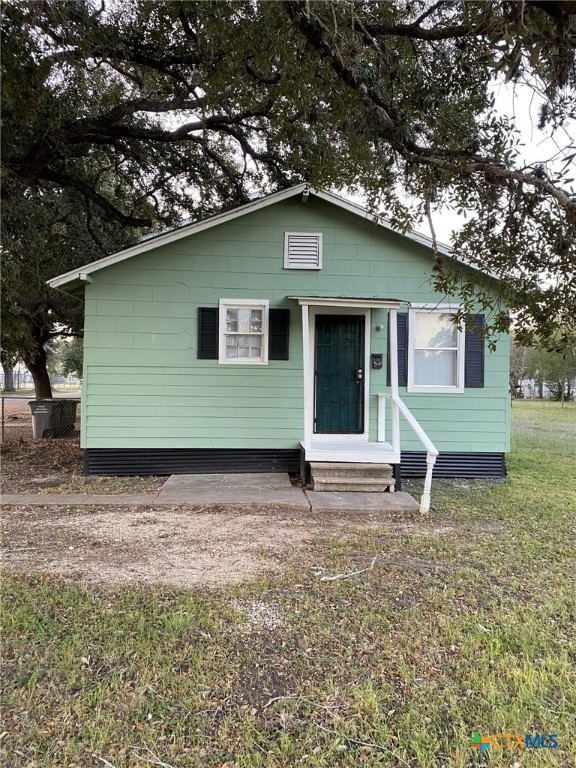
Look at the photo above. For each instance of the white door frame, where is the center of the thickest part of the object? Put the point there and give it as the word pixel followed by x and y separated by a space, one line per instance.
pixel 309 339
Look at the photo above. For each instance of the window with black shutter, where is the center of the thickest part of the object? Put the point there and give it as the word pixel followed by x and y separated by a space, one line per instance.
pixel 442 357
pixel 247 326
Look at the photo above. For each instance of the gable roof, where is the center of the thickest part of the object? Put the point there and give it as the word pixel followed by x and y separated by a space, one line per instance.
pixel 149 242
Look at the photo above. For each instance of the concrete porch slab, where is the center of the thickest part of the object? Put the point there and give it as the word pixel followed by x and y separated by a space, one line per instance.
pixel 356 501
pixel 262 490
pixel 261 480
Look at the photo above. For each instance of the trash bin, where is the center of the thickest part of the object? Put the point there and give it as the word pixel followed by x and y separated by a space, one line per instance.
pixel 53 418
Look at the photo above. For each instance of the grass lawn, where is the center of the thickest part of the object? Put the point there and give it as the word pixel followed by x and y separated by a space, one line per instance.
pixel 465 624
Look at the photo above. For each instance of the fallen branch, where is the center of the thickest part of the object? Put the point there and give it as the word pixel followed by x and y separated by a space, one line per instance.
pixel 301 699
pixel 155 759
pixel 103 760
pixel 423 567
pixel 279 698
pixel 350 574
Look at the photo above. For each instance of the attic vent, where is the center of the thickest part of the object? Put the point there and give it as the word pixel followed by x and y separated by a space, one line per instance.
pixel 302 250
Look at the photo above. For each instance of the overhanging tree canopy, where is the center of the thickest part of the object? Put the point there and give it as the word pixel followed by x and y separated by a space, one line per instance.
pixel 131 114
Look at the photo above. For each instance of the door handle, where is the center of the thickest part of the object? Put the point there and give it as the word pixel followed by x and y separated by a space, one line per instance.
pixel 359 375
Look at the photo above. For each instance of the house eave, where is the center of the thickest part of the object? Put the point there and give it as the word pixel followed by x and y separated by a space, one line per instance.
pixel 151 242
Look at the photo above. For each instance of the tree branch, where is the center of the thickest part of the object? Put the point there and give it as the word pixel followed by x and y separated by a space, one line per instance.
pixel 491 168
pixel 145 104
pixel 436 33
pixel 88 192
pixel 99 131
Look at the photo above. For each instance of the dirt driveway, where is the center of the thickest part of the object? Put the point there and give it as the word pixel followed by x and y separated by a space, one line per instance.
pixel 178 546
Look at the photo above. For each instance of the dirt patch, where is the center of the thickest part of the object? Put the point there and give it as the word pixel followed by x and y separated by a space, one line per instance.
pixel 175 546
pixel 56 466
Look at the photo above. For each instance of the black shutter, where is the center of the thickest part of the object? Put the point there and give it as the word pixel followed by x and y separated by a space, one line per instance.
pixel 474 354
pixel 402 336
pixel 278 328
pixel 208 333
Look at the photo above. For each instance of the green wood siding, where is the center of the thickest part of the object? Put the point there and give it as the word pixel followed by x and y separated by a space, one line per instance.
pixel 144 386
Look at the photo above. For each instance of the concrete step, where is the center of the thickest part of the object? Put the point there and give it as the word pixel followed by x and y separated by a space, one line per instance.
pixel 350 476
pixel 322 469
pixel 357 484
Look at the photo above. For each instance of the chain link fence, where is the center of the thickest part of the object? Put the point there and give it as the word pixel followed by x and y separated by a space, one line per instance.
pixel 44 419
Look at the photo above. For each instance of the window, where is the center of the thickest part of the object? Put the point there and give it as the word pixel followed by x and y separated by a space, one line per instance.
pixel 243 331
pixel 435 352
pixel 302 250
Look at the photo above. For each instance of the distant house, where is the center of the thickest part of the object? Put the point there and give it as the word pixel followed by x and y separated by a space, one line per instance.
pixel 243 341
pixel 531 389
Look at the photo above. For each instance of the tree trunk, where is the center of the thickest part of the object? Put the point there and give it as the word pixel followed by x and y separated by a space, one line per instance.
pixel 8 377
pixel 541 389
pixel 39 371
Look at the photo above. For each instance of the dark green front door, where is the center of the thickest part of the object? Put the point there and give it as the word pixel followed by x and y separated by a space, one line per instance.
pixel 339 374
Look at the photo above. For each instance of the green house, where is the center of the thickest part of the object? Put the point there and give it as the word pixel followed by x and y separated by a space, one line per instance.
pixel 293 327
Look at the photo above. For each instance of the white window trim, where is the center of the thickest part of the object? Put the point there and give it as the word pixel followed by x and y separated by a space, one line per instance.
pixel 438 309
pixel 226 304
pixel 287 265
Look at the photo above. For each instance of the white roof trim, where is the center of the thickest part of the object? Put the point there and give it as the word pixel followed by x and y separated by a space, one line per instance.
pixel 156 241
pixel 352 301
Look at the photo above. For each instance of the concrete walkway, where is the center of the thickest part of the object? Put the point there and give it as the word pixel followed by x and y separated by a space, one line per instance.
pixel 255 490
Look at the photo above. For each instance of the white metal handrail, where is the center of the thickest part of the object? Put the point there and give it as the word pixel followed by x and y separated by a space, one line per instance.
pixel 400 407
